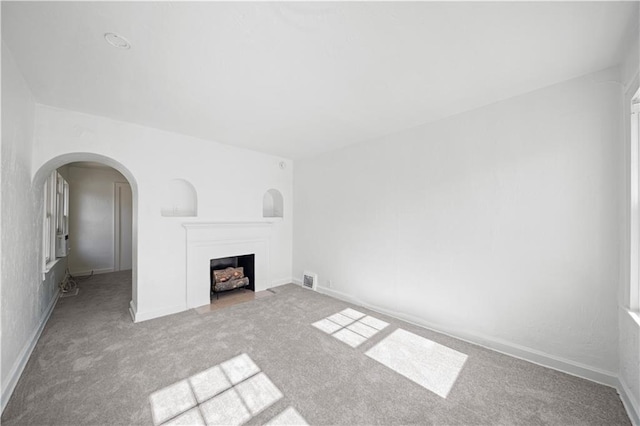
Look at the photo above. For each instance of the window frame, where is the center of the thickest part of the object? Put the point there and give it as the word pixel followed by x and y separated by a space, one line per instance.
pixel 634 205
pixel 48 242
pixel 55 218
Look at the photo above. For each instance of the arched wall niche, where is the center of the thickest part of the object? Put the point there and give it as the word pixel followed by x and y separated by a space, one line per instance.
pixel 179 199
pixel 272 204
pixel 45 170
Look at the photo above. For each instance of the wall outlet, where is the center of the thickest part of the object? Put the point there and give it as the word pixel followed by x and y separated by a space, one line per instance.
pixel 329 283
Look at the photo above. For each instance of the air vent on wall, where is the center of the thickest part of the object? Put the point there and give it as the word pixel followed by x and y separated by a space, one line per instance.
pixel 309 280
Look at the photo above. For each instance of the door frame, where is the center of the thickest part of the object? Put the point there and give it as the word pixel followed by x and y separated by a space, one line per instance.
pixel 117 187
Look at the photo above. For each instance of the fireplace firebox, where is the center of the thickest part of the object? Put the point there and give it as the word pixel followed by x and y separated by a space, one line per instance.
pixel 232 273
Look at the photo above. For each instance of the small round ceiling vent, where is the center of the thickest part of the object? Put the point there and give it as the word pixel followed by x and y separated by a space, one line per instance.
pixel 117 41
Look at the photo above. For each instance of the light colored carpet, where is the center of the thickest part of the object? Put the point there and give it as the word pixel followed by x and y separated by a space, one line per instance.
pixel 93 366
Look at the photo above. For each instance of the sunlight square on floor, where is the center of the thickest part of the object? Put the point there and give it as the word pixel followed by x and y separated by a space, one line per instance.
pixel 225 409
pixel 171 401
pixel 239 368
pixel 340 319
pixel 374 322
pixel 327 326
pixel 362 329
pixel 258 393
pixel 350 326
pixel 429 364
pixel 289 417
pixel 230 393
pixel 349 337
pixel 352 313
pixel 191 418
pixel 209 383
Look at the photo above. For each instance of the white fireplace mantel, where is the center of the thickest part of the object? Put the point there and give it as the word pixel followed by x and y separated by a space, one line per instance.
pixel 213 223
pixel 214 240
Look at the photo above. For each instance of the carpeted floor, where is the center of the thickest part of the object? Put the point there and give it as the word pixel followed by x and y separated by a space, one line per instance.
pixel 93 366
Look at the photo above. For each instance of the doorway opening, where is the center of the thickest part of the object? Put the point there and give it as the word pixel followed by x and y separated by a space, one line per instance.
pixel 102 215
pixel 100 219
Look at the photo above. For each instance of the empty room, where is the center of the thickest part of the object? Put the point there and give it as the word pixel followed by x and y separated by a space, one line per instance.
pixel 320 213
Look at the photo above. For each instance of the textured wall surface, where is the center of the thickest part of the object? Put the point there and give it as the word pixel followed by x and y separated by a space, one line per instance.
pixel 25 295
pixel 500 225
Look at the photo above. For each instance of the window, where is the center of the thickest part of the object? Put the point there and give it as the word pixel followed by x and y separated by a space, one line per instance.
pixel 634 249
pixel 49 186
pixel 56 219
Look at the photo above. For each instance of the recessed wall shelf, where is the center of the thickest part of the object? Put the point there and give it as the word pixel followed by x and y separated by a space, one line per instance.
pixel 272 204
pixel 179 199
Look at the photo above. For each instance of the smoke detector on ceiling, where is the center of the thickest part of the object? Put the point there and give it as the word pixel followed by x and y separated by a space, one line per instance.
pixel 117 41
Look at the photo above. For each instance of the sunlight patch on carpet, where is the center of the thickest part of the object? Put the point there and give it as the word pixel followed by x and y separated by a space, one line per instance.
pixel 340 319
pixel 327 326
pixel 289 417
pixel 362 329
pixel 350 326
pixel 209 383
pixel 230 393
pixel 171 401
pixel 225 409
pixel 429 364
pixel 258 393
pixel 191 418
pixel 352 313
pixel 239 368
pixel 374 322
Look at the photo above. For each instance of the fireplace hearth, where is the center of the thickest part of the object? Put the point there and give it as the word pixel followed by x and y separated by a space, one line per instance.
pixel 232 273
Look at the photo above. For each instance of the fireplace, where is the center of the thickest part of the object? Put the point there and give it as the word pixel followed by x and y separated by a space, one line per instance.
pixel 217 240
pixel 231 273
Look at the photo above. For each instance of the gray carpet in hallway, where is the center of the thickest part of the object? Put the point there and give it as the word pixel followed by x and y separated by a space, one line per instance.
pixel 94 366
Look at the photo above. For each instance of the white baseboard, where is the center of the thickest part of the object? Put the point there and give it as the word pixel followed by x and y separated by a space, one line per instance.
pixel 144 316
pixel 21 362
pixel 132 310
pixel 281 281
pixel 88 272
pixel 629 402
pixel 508 348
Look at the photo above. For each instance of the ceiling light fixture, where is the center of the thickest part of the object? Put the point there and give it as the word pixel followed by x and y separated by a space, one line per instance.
pixel 117 41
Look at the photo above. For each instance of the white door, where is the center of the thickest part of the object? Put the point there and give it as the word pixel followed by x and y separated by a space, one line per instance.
pixel 123 230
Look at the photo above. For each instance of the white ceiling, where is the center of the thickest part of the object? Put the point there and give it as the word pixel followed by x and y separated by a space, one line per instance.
pixel 297 79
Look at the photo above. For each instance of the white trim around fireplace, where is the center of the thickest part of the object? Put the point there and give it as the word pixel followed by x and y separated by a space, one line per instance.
pixel 214 240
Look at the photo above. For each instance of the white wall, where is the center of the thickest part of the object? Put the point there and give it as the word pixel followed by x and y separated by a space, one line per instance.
pixel 92 218
pixel 27 299
pixel 499 225
pixel 629 337
pixel 230 184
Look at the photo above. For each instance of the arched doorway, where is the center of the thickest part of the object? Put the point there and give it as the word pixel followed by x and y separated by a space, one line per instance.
pixel 47 168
